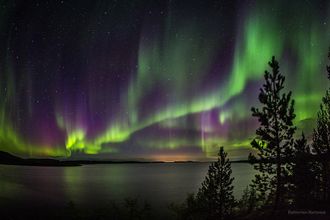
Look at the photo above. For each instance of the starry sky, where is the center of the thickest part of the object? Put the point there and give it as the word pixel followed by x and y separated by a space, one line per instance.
pixel 158 80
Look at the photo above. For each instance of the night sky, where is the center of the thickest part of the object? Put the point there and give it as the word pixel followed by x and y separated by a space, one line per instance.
pixel 159 80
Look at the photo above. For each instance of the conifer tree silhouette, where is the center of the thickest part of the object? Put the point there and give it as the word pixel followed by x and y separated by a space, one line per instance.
pixel 302 171
pixel 215 197
pixel 321 144
pixel 274 142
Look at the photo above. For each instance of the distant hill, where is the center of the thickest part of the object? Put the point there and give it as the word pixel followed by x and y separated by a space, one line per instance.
pixel 9 159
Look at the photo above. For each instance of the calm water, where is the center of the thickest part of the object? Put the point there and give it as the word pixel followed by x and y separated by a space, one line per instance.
pixel 89 185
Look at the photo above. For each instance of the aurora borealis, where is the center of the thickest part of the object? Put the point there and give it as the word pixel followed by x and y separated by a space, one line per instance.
pixel 152 79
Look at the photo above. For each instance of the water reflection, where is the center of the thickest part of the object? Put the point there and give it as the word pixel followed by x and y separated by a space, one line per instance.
pixel 92 185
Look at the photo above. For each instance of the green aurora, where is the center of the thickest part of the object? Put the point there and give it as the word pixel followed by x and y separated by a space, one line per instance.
pixel 189 83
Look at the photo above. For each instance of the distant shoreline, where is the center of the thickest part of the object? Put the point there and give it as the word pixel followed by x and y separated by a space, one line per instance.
pixel 9 159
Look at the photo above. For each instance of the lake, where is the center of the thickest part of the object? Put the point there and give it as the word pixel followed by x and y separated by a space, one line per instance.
pixel 91 185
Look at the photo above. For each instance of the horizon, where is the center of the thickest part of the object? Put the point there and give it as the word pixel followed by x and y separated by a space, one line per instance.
pixel 93 158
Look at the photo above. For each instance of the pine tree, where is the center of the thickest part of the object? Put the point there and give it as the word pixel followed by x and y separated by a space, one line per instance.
pixel 216 194
pixel 274 138
pixel 248 202
pixel 321 144
pixel 302 171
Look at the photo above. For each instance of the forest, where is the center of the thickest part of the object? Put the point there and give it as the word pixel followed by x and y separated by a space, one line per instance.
pixel 293 178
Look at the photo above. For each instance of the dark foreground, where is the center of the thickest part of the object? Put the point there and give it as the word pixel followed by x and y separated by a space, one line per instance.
pixel 134 209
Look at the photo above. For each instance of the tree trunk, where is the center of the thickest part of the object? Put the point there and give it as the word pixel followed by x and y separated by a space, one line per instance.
pixel 278 180
pixel 325 181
